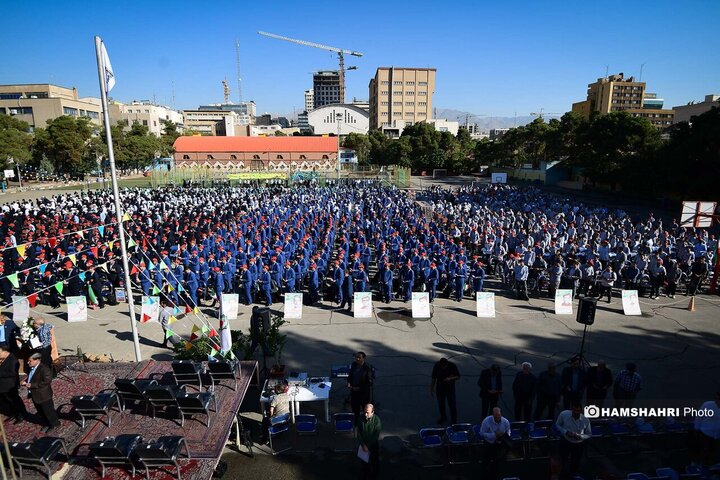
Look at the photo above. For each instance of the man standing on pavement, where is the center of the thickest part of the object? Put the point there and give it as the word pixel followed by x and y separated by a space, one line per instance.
pixel 444 375
pixel 524 388
pixel 495 431
pixel 549 390
pixel 573 382
pixel 627 385
pixel 574 428
pixel 369 438
pixel 599 380
pixel 40 391
pixel 490 383
pixel 360 383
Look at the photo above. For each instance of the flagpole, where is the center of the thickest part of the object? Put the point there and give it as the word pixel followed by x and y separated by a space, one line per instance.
pixel 116 194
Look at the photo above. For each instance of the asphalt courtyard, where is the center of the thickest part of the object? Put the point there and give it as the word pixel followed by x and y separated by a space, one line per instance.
pixel 676 351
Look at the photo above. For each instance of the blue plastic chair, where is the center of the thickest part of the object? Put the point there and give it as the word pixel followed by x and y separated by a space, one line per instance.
pixel 344 425
pixel 667 472
pixel 306 425
pixel 637 476
pixel 458 438
pixel 433 440
pixel 278 425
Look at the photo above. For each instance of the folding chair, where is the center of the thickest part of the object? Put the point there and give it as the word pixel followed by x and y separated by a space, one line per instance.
pixel 37 454
pixel 186 372
pixel 115 451
pixel 458 438
pixel 91 406
pixel 432 440
pixel 164 451
pixel 344 424
pixel 279 424
pixel 306 425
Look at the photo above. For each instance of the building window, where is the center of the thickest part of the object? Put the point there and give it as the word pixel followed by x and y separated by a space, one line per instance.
pixel 186 157
pixel 397 82
pixel 10 96
pixel 233 157
pixel 70 111
pixel 384 82
pixel 303 157
pixel 279 157
pixel 384 92
pixel 409 84
pixel 325 157
pixel 422 94
pixel 397 114
pixel 93 115
pixel 397 104
pixel 385 103
pixel 412 94
pixel 210 157
pixel 422 84
pixel 409 104
pixel 422 104
pixel 385 114
pixel 397 93
pixel 147 111
pixel 145 122
pixel 256 157
pixel 21 110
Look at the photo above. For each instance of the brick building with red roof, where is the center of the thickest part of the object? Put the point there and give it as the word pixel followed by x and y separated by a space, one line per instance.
pixel 257 153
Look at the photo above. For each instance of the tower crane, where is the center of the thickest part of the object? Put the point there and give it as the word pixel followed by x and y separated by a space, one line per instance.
pixel 340 53
pixel 543 112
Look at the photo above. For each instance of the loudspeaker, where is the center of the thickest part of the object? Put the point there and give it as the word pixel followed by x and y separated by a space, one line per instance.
pixel 586 310
pixel 260 321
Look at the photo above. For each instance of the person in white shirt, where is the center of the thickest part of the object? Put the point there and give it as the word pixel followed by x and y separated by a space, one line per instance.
pixel 495 431
pixel 574 428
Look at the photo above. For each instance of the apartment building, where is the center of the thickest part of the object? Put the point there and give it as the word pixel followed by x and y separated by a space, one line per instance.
pixel 39 102
pixel 401 94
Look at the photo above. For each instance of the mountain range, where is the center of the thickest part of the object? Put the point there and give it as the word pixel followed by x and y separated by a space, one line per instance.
pixel 486 122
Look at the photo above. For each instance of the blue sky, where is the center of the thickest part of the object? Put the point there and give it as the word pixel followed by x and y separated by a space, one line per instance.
pixel 492 58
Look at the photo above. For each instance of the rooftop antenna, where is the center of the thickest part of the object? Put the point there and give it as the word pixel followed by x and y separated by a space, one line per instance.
pixel 607 68
pixel 642 66
pixel 173 94
pixel 226 91
pixel 237 66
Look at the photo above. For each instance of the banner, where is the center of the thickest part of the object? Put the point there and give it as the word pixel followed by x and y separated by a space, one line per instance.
pixel 293 305
pixel 150 311
pixel 485 304
pixel 362 305
pixel 563 302
pixel 225 337
pixel 420 305
pixel 257 176
pixel 230 305
pixel 630 302
pixel 77 309
pixel 21 309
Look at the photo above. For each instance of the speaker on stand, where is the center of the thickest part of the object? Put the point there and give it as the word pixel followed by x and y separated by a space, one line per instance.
pixel 585 316
pixel 259 328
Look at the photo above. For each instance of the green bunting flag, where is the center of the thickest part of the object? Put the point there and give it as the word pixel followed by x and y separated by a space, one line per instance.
pixel 155 290
pixel 169 333
pixel 212 353
pixel 59 287
pixel 14 280
pixel 93 298
pixel 131 243
pixel 204 329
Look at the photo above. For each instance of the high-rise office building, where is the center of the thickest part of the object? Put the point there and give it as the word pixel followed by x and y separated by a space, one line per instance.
pixel 309 100
pixel 401 94
pixel 326 88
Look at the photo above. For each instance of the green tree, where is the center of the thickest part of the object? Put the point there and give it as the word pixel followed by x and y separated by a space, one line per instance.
pixel 170 133
pixel 378 154
pixel 360 143
pixel 15 141
pixel 65 142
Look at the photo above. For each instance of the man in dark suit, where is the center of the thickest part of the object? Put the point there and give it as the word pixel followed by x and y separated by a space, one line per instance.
pixel 8 333
pixel 39 387
pixel 360 383
pixel 599 381
pixel 490 383
pixel 10 401
pixel 574 381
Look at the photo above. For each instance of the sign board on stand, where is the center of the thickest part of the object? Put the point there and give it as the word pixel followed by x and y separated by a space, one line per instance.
pixel 563 302
pixel 9 173
pixel 293 305
pixel 230 303
pixel 21 309
pixel 77 309
pixel 630 302
pixel 420 305
pixel 485 304
pixel 362 305
pixel 150 311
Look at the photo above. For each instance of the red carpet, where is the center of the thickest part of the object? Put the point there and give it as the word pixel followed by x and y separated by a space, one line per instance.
pixel 205 444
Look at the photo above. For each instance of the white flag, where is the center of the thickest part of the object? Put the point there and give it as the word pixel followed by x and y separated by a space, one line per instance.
pixel 109 75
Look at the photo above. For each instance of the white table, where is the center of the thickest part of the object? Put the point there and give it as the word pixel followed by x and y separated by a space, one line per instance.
pixel 313 392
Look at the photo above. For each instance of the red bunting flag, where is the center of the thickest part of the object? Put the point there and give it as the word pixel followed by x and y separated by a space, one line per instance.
pixel 216 347
pixel 188 309
pixel 213 333
pixel 193 334
pixel 133 270
pixel 94 251
pixel 32 299
pixel 145 318
pixel 52 241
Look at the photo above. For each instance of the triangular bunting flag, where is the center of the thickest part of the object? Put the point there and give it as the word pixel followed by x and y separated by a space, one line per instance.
pixel 176 310
pixel 42 267
pixel 180 289
pixel 73 258
pixel 21 250
pixel 82 276
pixel 94 251
pixel 110 244
pixel 132 243
pixel 193 333
pixel 188 309
pixel 163 266
pixel 133 270
pixel 101 229
pixel 32 299
pixel 151 300
pixel 188 346
pixel 205 329
pixel 232 355
pixel 169 333
pixel 196 311
pixel 151 267
pixel 81 234
pixel 215 347
pixel 172 319
pixel 13 278
pixel 212 353
pixel 59 287
pixel 170 288
pixel 213 333
pixel 155 290
pixel 125 217
pixel 52 241
pixel 145 318
pixel 93 298
pixel 103 266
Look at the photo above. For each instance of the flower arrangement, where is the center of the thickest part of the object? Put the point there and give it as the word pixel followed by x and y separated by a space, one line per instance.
pixel 27 330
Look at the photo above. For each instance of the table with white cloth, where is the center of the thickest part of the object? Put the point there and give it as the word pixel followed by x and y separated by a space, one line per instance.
pixel 316 389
